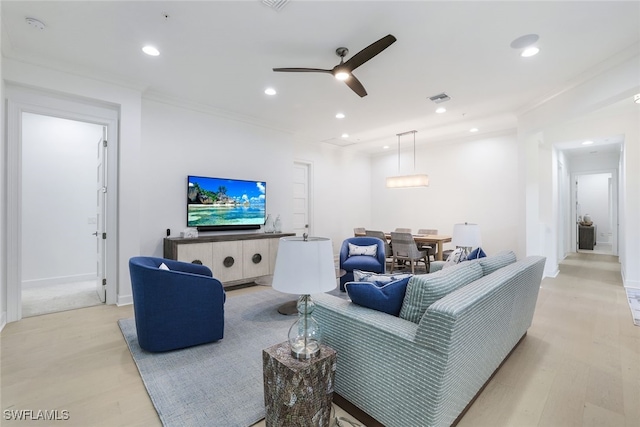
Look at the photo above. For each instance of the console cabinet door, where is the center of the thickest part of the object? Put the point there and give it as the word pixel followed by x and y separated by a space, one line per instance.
pixel 196 252
pixel 227 260
pixel 273 252
pixel 256 257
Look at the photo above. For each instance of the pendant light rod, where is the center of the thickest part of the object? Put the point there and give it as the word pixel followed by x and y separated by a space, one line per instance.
pixel 414 147
pixel 407 181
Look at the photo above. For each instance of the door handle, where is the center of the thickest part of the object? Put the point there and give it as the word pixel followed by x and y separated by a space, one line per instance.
pixel 95 234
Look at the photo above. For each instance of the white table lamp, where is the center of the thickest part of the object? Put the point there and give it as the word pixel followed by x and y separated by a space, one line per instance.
pixel 466 236
pixel 304 266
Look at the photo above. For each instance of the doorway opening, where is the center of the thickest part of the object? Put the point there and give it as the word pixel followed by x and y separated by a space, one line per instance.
pixel 59 198
pixel 62 214
pixel 596 213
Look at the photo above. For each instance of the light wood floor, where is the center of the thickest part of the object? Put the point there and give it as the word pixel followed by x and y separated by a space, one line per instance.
pixel 578 366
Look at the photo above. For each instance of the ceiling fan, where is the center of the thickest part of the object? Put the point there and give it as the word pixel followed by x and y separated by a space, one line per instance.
pixel 343 71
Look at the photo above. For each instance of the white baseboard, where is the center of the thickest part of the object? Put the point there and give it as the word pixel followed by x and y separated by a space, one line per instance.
pixel 124 300
pixel 629 283
pixel 551 273
pixel 50 281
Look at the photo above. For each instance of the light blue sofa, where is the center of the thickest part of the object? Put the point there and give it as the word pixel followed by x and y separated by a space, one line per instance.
pixel 425 373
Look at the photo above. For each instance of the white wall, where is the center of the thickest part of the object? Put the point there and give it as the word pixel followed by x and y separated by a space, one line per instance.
pixel 340 184
pixel 177 142
pixel 3 198
pixel 58 199
pixel 473 180
pixel 128 102
pixel 620 82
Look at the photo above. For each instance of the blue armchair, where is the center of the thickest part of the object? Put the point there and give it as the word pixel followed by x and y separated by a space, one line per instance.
pixel 375 264
pixel 175 308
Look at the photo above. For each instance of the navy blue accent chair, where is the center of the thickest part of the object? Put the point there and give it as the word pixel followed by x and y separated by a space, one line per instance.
pixel 348 263
pixel 176 308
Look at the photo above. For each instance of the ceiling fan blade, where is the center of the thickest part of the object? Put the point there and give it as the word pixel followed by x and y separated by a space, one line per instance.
pixel 302 70
pixel 369 52
pixel 356 86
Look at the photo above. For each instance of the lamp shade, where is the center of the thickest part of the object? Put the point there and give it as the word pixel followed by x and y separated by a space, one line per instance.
pixel 304 267
pixel 466 235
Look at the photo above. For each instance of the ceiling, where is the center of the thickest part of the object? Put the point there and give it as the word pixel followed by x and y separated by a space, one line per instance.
pixel 219 55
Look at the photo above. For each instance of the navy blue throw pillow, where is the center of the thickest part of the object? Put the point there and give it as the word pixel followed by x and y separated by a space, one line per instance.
pixel 385 297
pixel 475 254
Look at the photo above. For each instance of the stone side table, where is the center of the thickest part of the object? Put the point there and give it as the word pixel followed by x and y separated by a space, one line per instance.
pixel 297 393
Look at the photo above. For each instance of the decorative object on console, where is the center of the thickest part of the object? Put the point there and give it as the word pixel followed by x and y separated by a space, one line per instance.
pixel 304 266
pixel 189 233
pixel 467 237
pixel 269 226
pixel 406 181
pixel 277 225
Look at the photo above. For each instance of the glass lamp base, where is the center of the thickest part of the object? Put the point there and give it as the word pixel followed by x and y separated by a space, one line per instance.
pixel 303 351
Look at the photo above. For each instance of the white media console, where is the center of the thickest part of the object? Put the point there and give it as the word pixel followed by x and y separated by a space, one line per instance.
pixel 233 258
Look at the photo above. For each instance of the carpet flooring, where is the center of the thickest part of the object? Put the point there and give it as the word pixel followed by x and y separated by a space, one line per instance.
pixel 217 384
pixel 53 298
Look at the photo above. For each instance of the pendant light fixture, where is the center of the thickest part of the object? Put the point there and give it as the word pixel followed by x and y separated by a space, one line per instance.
pixel 408 181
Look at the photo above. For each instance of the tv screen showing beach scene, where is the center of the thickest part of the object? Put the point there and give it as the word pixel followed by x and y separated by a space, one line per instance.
pixel 225 203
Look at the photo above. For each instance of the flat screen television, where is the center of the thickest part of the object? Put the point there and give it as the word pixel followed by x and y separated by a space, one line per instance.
pixel 225 204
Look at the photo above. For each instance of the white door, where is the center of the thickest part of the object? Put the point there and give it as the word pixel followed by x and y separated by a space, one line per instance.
pixel 301 222
pixel 101 235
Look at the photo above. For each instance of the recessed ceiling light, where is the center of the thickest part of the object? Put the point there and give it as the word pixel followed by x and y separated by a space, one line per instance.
pixel 530 51
pixel 525 41
pixel 441 110
pixel 587 143
pixel 340 116
pixel 345 135
pixel 636 98
pixel 473 130
pixel 150 50
pixel 386 147
pixel 270 91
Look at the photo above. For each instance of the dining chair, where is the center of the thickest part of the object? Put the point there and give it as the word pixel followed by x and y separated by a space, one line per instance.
pixel 404 249
pixel 387 246
pixel 432 251
pixel 349 262
pixel 403 230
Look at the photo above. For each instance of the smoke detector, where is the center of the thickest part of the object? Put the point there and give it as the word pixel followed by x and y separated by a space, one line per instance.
pixel 442 97
pixel 39 25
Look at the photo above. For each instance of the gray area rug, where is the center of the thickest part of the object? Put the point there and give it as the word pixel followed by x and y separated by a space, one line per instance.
pixel 217 384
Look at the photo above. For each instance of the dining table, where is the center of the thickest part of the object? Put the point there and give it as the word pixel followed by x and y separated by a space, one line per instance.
pixel 428 239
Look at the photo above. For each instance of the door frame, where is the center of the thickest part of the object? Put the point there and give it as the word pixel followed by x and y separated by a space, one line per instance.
pixel 614 206
pixel 309 167
pixel 20 100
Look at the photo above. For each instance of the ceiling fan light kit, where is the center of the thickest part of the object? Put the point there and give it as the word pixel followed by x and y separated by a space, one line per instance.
pixel 344 70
